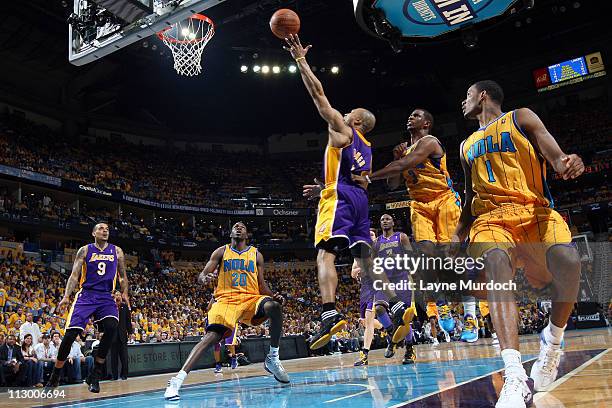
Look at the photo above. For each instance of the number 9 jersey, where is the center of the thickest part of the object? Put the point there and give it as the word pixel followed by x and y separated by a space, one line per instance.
pixel 99 270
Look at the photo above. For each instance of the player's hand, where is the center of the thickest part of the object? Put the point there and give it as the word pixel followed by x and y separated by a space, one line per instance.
pixel 126 299
pixel 280 299
pixel 399 150
pixel 62 305
pixel 295 46
pixel 571 166
pixel 313 191
pixel 355 271
pixel 359 179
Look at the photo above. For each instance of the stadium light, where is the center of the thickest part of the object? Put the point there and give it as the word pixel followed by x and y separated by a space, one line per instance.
pixel 335 70
pixel 276 69
pixel 244 68
pixel 256 68
pixel 265 69
pixel 292 69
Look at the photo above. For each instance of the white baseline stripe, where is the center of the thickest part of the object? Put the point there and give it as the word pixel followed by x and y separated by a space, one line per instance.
pixel 569 375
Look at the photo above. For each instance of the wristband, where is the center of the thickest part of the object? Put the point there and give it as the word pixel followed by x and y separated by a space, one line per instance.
pixel 299 58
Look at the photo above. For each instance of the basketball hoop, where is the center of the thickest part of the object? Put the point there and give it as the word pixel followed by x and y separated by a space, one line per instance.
pixel 187 39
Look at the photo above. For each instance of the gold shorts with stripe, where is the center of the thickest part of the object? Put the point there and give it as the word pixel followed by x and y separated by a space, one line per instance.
pixel 435 220
pixel 524 233
pixel 228 311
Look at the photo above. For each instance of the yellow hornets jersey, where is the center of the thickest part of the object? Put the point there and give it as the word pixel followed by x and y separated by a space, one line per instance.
pixel 429 179
pixel 237 273
pixel 506 168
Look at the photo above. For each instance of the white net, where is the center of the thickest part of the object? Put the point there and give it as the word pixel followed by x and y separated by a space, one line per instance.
pixel 187 39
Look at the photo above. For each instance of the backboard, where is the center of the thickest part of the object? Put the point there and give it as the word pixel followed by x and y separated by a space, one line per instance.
pixel 100 27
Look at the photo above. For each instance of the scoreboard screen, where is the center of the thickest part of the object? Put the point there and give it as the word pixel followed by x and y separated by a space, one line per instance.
pixel 567 70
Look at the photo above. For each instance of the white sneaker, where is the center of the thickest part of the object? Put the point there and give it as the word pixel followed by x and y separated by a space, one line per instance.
pixel 274 367
pixel 435 342
pixel 495 342
pixel 171 394
pixel 447 337
pixel 516 393
pixel 545 368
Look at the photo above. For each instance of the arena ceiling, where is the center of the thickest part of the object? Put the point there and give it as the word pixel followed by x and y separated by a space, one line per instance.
pixel 139 84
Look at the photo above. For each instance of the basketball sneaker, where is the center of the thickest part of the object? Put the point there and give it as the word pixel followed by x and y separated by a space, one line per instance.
pixel 93 381
pixel 495 342
pixel 274 367
pixel 409 356
pixel 402 317
pixel 218 368
pixel 329 327
pixel 445 319
pixel 390 351
pixel 545 368
pixel 470 330
pixel 363 359
pixel 233 363
pixel 516 393
pixel 171 394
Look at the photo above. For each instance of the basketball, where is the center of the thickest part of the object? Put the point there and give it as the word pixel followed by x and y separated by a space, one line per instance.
pixel 284 22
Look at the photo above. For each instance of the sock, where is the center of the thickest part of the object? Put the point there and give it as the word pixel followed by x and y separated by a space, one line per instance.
pixel 553 334
pixel 469 307
pixel 181 376
pixel 512 363
pixel 385 320
pixel 329 307
pixel 365 351
pixel 389 339
pixel 273 352
pixel 396 306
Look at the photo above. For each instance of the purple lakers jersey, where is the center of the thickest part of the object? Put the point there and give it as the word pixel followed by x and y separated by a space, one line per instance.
pixel 389 248
pixel 340 163
pixel 100 269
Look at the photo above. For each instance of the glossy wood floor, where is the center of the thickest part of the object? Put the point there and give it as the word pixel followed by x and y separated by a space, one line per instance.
pixel 449 375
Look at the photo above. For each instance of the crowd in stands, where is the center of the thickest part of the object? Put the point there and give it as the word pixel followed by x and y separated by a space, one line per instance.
pixel 206 178
pixel 169 305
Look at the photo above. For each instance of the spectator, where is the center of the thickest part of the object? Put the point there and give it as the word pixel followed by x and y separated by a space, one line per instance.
pixel 12 362
pixel 31 328
pixel 32 366
pixel 46 354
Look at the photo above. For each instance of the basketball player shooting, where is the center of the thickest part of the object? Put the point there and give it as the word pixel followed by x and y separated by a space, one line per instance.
pixel 95 271
pixel 342 219
pixel 509 213
pixel 242 295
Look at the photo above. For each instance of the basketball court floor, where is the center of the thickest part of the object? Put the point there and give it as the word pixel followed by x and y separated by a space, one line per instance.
pixel 450 375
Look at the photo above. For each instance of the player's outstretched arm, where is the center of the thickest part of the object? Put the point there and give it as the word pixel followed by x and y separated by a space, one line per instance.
pixel 340 133
pixel 211 266
pixel 73 280
pixel 123 280
pixel 422 150
pixel 466 218
pixel 569 166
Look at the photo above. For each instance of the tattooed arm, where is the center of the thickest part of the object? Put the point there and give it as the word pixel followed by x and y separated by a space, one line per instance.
pixel 73 280
pixel 123 280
